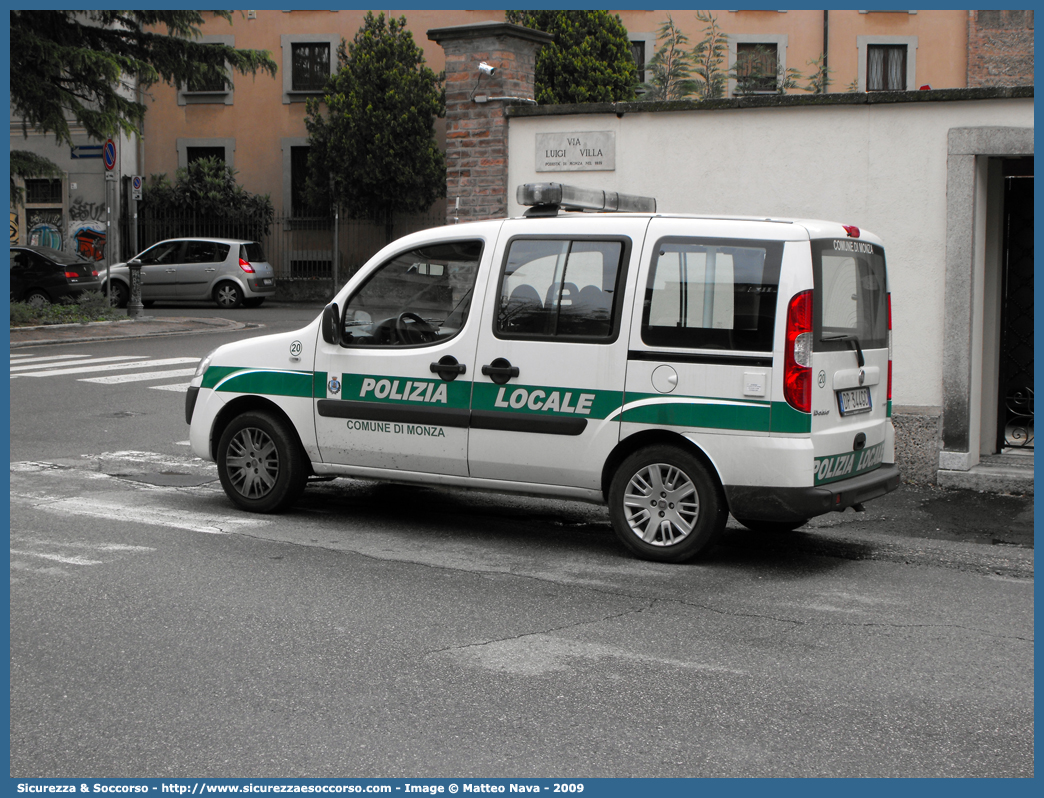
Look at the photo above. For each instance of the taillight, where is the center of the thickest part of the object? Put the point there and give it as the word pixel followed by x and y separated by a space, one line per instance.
pixel 245 266
pixel 797 360
pixel 889 298
pixel 94 273
pixel 72 275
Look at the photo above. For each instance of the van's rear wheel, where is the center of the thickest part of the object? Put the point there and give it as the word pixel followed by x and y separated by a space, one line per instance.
pixel 772 527
pixel 665 505
pixel 262 466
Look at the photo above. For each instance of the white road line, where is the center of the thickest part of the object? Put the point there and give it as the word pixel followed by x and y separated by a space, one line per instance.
pixel 180 387
pixel 30 359
pixel 170 361
pixel 151 516
pixel 57 558
pixel 149 375
pixel 59 365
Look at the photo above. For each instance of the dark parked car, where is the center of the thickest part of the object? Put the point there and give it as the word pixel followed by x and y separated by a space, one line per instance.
pixel 41 275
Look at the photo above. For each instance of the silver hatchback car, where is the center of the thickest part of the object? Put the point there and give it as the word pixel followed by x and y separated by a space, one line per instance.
pixel 228 271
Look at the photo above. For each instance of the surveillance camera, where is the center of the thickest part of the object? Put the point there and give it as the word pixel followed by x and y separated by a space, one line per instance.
pixel 486 69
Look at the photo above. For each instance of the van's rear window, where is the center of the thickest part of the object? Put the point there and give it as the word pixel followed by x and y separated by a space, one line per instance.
pixel 851 297
pixel 712 294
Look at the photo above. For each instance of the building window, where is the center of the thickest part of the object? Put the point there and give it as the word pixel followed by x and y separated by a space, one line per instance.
pixel 638 53
pixel 308 62
pixel 756 67
pixel 886 67
pixel 191 150
pixel 887 63
pixel 193 154
pixel 209 89
pixel 756 60
pixel 298 178
pixel 311 66
pixel 43 192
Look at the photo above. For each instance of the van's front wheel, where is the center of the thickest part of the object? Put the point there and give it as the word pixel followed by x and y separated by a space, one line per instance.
pixel 261 464
pixel 665 505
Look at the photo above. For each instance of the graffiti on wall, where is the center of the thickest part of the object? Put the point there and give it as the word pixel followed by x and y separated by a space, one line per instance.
pixel 44 226
pixel 14 227
pixel 86 230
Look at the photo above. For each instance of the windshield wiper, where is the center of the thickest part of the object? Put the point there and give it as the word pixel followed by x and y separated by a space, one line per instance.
pixel 850 339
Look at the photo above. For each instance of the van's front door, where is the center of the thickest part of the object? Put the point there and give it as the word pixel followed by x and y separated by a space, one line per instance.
pixel 553 352
pixel 395 392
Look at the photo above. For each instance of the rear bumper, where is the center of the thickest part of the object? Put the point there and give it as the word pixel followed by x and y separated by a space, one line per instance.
pixel 257 286
pixel 795 504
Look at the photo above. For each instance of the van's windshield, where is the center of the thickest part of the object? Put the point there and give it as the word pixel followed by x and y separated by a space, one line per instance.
pixel 851 297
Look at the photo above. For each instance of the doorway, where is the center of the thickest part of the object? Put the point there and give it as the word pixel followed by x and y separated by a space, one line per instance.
pixel 1015 400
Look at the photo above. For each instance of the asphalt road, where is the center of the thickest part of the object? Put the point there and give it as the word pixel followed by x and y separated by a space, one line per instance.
pixel 394 631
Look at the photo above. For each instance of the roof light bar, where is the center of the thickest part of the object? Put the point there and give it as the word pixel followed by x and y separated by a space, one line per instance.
pixel 548 198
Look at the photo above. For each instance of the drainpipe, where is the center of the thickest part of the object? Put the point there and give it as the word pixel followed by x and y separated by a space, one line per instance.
pixel 826 48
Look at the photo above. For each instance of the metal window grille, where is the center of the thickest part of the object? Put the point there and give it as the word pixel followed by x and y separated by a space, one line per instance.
pixel 43 192
pixel 310 66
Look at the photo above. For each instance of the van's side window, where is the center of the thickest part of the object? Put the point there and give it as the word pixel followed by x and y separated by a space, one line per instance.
pixel 418 297
pixel 712 294
pixel 561 289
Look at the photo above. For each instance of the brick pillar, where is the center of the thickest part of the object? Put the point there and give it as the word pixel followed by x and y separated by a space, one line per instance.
pixel 476 132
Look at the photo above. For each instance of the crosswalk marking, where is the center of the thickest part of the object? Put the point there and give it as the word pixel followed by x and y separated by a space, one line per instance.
pixel 30 365
pixel 144 377
pixel 41 359
pixel 169 361
pixel 21 367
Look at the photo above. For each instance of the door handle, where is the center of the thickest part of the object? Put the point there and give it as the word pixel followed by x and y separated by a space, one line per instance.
pixel 500 371
pixel 172 271
pixel 211 269
pixel 448 368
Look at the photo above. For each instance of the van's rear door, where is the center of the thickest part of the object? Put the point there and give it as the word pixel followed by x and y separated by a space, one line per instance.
pixel 850 358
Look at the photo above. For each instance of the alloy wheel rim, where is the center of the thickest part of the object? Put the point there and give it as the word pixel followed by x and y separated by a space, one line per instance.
pixel 252 463
pixel 661 505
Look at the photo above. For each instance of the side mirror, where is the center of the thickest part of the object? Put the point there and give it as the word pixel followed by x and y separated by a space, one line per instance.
pixel 331 324
pixel 134 262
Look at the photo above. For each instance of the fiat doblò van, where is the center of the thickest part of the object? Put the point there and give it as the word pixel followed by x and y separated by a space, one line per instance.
pixel 677 368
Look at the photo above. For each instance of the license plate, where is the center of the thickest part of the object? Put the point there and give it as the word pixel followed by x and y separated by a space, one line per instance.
pixel 856 400
pixel 266 281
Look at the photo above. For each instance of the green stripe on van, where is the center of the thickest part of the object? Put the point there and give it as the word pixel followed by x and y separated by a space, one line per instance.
pixel 229 379
pixel 690 411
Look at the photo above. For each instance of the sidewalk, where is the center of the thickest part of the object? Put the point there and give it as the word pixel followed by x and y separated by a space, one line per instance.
pixel 146 327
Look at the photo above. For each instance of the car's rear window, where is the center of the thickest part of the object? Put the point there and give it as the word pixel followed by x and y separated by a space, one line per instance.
pixel 708 293
pixel 252 252
pixel 64 258
pixel 851 297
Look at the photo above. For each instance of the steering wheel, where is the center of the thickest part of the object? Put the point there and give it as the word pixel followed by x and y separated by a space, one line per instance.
pixel 417 331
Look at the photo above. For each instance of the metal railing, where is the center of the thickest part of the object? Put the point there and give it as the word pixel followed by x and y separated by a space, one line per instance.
pixel 299 249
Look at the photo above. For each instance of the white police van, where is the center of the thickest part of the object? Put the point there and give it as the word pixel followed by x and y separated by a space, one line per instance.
pixel 678 368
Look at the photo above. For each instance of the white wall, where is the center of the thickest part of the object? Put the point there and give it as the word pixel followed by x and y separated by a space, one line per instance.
pixel 881 167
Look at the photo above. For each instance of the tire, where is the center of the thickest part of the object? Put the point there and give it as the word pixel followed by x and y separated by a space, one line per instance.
pixel 254 302
pixel 262 466
pixel 120 294
pixel 228 295
pixel 665 505
pixel 772 527
pixel 37 298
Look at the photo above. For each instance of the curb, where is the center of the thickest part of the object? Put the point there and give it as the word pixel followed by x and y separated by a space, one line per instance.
pixel 123 329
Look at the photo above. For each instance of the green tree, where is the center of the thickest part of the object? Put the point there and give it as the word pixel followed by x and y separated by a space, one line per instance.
pixel 374 143
pixel 708 56
pixel 83 64
pixel 203 199
pixel 669 71
pixel 590 60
